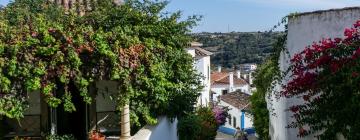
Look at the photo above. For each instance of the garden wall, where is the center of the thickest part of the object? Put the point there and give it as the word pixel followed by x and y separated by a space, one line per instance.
pixel 303 30
pixel 164 130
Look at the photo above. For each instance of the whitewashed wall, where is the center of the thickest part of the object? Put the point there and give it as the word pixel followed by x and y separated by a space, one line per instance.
pixel 164 130
pixel 248 122
pixel 191 51
pixel 202 67
pixel 303 30
pixel 219 88
pixel 234 112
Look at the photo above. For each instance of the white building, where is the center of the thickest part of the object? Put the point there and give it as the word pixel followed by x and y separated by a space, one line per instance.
pixel 239 103
pixel 202 65
pixel 225 82
pixel 303 30
pixel 248 67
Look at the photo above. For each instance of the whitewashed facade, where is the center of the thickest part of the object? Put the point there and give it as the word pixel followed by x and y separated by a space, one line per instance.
pixel 223 82
pixel 202 66
pixel 303 30
pixel 238 118
pixel 238 103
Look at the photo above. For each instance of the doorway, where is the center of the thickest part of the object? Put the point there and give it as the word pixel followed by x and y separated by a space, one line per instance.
pixel 73 123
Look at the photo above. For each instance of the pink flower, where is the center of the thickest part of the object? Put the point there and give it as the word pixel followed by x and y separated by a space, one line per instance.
pixel 294 108
pixel 338 40
pixel 34 34
pixel 349 32
pixel 357 24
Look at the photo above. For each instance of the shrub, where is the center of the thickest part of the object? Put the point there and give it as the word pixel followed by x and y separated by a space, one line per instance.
pixel 189 127
pixel 221 113
pixel 199 126
pixel 325 76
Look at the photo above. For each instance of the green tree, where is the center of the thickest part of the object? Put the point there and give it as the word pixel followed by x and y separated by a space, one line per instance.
pixel 44 47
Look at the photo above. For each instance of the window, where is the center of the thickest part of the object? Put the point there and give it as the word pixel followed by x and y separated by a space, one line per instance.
pixel 229 119
pixel 234 124
pixel 224 92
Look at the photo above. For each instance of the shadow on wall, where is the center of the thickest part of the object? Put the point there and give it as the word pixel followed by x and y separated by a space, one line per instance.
pixel 164 130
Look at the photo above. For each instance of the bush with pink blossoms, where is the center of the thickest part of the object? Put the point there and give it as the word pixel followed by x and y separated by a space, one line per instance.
pixel 221 113
pixel 326 77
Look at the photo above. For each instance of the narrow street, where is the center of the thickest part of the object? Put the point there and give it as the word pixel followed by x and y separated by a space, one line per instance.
pixel 222 136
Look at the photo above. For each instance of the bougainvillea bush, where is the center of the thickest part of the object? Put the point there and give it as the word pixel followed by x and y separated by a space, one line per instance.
pixel 46 48
pixel 326 75
pixel 221 113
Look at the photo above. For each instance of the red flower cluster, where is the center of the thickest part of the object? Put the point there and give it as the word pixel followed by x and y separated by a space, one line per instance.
pixel 312 67
pixel 320 56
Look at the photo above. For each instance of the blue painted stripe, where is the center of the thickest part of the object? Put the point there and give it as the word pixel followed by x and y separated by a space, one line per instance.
pixel 242 120
pixel 250 130
pixel 226 130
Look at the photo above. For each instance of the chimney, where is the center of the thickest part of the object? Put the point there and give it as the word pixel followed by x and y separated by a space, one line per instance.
pixel 238 74
pixel 219 68
pixel 231 81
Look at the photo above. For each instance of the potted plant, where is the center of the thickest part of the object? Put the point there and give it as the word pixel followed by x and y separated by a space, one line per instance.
pixel 96 135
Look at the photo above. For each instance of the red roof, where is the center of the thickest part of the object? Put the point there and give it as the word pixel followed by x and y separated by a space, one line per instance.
pixel 223 78
pixel 216 76
pixel 237 99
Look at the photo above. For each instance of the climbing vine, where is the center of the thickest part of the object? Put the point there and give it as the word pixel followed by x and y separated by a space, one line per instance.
pixel 266 77
pixel 45 48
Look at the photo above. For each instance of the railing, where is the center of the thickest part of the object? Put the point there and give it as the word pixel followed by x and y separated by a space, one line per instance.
pixel 29 126
pixel 108 122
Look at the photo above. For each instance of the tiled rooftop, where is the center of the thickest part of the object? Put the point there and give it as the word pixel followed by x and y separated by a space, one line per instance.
pixel 237 99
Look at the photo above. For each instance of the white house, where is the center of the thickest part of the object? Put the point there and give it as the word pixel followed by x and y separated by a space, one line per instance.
pixel 225 82
pixel 248 67
pixel 239 103
pixel 303 30
pixel 202 65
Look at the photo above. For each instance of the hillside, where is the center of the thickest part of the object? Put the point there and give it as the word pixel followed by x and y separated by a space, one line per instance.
pixel 232 49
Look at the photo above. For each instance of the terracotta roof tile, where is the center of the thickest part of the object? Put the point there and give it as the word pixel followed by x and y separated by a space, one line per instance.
pixel 216 76
pixel 223 78
pixel 237 99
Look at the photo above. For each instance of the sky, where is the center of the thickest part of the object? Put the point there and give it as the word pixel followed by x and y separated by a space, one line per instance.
pixel 245 15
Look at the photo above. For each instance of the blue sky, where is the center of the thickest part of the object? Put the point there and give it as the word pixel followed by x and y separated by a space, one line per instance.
pixel 246 15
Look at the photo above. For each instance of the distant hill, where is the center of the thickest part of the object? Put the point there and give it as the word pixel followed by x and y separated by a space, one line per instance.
pixel 232 49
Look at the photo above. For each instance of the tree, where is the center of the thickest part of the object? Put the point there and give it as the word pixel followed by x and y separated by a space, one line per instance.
pixel 43 47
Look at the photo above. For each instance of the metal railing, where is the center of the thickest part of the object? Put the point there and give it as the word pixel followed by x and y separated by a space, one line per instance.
pixel 108 122
pixel 29 126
